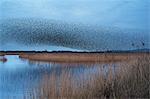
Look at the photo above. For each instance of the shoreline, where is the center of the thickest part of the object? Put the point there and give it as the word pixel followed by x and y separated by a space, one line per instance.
pixel 84 57
pixel 77 56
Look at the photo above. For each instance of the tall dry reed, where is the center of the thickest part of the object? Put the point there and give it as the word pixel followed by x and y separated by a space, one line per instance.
pixel 131 80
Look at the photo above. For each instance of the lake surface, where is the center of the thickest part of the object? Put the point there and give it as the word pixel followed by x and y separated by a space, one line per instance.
pixel 23 79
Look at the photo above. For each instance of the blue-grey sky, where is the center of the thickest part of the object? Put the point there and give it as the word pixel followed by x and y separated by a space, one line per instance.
pixel 118 13
pixel 74 24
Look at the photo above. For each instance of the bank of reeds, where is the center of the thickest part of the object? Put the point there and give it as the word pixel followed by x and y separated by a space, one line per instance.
pixel 80 57
pixel 131 80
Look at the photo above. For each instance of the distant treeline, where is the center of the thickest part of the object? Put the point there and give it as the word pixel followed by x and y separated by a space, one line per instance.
pixel 108 51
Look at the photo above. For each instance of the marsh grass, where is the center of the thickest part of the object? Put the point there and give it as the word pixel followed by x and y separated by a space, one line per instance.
pixel 79 57
pixel 131 80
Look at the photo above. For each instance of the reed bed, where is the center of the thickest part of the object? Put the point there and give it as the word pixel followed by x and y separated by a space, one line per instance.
pixel 80 57
pixel 130 80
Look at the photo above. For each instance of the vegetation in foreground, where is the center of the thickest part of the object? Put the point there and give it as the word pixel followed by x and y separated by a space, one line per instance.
pixel 131 80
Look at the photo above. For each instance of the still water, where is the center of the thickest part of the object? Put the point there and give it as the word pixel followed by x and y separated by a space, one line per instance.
pixel 23 79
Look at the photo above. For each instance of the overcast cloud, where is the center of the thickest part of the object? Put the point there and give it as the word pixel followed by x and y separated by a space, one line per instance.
pixel 120 13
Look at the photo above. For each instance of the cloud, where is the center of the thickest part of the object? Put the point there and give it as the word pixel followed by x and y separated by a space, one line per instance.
pixel 120 13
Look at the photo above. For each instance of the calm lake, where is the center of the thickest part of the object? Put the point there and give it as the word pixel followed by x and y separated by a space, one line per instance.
pixel 24 79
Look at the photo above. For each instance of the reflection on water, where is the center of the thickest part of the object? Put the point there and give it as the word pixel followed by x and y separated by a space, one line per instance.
pixel 21 78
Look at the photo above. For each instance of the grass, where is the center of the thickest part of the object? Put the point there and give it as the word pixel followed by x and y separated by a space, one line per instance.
pixel 130 80
pixel 80 57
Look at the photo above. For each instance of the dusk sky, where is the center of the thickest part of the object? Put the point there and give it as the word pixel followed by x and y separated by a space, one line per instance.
pixel 119 13
pixel 100 24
